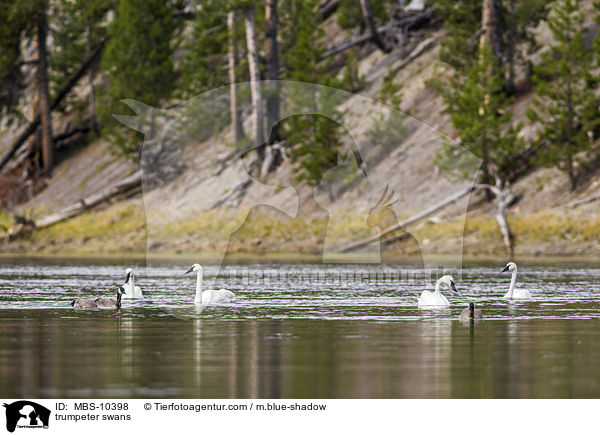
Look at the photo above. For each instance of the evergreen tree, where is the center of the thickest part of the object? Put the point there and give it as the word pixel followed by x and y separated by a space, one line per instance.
pixel 26 22
pixel 15 21
pixel 350 16
pixel 461 21
pixel 315 139
pixel 204 64
pixel 138 61
pixel 80 26
pixel 565 106
pixel 513 22
pixel 478 109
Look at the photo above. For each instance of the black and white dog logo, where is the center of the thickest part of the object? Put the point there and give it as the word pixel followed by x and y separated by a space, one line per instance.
pixel 26 414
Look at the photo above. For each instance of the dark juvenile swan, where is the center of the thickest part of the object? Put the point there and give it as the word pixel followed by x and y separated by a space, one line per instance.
pixel 470 313
pixel 92 304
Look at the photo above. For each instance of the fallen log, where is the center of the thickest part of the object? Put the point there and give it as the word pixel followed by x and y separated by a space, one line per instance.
pixel 403 24
pixel 82 205
pixel 70 133
pixel 327 8
pixel 233 197
pixel 375 36
pixel 400 225
pixel 418 50
pixel 32 127
pixel 355 41
pixel 579 202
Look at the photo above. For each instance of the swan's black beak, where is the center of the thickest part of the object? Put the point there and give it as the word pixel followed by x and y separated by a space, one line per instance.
pixel 453 286
pixel 504 270
pixel 127 277
pixel 191 269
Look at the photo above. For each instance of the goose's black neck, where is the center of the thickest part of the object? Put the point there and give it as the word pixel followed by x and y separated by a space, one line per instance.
pixel 118 300
pixel 471 310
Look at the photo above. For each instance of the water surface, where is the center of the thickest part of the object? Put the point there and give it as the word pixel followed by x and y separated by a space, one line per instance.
pixel 296 331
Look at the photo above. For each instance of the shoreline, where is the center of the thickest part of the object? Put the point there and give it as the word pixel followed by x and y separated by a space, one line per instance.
pixel 289 258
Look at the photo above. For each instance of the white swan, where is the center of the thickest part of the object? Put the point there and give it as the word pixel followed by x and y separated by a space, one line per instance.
pixel 512 292
pixel 132 291
pixel 436 298
pixel 209 296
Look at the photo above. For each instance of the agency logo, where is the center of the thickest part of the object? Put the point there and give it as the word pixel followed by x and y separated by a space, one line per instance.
pixel 25 414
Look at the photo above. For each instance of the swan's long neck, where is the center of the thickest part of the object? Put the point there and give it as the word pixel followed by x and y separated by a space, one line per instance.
pixel 437 286
pixel 513 281
pixel 199 285
pixel 130 282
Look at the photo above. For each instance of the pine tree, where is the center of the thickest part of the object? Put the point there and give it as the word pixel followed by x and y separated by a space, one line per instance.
pixel 316 139
pixel 565 106
pixel 138 61
pixel 15 21
pixel 26 23
pixel 478 109
pixel 350 15
pixel 512 21
pixel 461 20
pixel 80 27
pixel 204 63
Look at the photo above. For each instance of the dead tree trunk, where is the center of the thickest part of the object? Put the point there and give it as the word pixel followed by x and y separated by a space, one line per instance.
pixel 503 198
pixel 254 79
pixel 91 78
pixel 236 119
pixel 272 70
pixel 400 225
pixel 44 96
pixel 491 25
pixel 510 51
pixel 32 127
pixel 125 185
pixel 375 37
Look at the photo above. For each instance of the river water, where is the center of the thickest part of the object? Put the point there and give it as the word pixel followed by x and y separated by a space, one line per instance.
pixel 296 331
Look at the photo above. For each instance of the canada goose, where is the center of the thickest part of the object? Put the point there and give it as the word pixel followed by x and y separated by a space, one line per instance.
pixel 110 302
pixel 436 298
pixel 84 304
pixel 132 291
pixel 470 313
pixel 102 302
pixel 209 296
pixel 512 292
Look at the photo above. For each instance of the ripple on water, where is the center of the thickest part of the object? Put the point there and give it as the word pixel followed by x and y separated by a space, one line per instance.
pixel 349 292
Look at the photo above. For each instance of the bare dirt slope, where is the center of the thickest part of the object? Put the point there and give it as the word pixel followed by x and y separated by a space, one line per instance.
pixel 188 208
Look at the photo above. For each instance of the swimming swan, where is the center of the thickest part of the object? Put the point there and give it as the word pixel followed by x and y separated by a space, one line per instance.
pixel 209 296
pixel 512 292
pixel 102 302
pixel 435 298
pixel 470 313
pixel 132 291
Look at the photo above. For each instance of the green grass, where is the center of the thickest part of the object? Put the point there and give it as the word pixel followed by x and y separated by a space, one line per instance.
pixel 121 228
pixel 117 228
pixel 6 221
